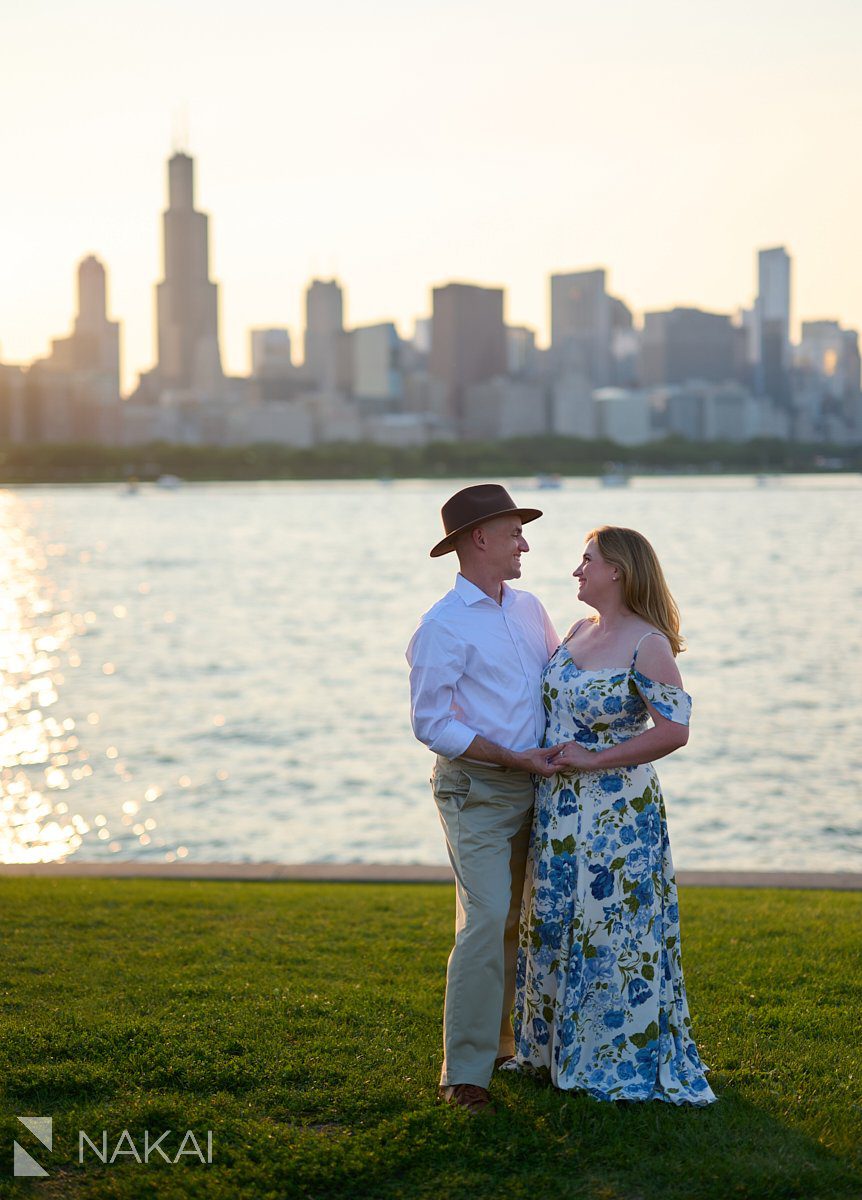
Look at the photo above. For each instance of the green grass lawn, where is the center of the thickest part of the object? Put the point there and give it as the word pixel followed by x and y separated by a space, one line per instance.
pixel 301 1024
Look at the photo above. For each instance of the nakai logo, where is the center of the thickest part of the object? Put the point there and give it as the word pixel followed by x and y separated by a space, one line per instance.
pixel 164 1147
pixel 25 1164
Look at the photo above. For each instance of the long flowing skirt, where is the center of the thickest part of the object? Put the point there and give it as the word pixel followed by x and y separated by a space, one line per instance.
pixel 600 1002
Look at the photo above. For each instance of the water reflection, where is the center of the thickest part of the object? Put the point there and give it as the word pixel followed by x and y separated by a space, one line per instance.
pixel 41 755
pixel 198 686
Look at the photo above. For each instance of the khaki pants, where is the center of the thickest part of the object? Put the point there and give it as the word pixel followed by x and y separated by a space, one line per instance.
pixel 486 813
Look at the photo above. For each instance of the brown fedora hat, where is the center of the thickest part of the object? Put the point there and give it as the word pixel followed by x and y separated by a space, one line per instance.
pixel 473 505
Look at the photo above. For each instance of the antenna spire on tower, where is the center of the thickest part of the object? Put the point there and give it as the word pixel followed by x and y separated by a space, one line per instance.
pixel 180 129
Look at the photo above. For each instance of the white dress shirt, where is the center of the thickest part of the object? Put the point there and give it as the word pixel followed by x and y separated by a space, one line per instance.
pixel 476 668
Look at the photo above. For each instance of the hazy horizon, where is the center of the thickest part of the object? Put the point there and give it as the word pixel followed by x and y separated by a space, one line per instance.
pixel 398 149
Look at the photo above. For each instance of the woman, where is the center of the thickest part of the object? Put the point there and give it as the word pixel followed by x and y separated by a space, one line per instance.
pixel 600 1004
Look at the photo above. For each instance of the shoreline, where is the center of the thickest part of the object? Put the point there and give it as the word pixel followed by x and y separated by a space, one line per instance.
pixel 592 473
pixel 272 872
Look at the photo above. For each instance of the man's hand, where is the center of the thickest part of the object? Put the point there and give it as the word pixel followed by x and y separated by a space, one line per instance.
pixel 537 761
pixel 542 761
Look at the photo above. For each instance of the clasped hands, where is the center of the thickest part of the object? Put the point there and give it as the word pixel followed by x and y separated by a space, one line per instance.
pixel 567 756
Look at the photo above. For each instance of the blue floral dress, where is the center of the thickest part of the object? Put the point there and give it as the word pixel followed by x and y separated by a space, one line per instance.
pixel 600 1001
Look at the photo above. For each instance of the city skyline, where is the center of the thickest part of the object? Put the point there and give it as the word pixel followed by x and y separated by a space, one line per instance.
pixel 399 155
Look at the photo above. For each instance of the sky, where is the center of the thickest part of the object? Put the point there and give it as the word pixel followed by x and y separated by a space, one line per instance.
pixel 401 145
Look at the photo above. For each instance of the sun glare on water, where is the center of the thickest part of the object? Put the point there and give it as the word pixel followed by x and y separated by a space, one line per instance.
pixel 42 757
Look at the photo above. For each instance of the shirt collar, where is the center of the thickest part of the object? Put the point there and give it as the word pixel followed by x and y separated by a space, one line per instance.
pixel 471 594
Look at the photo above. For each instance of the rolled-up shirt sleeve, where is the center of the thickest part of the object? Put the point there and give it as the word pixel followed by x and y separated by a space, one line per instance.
pixel 437 659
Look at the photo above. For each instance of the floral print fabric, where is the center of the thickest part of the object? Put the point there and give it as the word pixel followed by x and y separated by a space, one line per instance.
pixel 600 1002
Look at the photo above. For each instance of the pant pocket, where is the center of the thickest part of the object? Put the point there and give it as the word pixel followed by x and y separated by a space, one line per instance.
pixel 451 786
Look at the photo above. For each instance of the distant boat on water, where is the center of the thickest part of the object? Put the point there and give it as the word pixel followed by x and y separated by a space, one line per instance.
pixel 169 482
pixel 547 483
pixel 614 479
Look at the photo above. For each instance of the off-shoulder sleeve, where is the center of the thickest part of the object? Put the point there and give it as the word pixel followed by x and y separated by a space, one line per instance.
pixel 670 702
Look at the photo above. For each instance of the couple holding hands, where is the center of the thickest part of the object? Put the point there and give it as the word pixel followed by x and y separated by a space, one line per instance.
pixel 566 907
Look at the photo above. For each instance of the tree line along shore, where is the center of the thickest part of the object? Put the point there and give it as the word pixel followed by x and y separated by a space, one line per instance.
pixel 91 463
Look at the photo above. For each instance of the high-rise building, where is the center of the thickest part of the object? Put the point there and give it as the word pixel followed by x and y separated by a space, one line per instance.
pixel 503 408
pixel 832 355
pixel 272 369
pixel 376 369
pixel 73 395
pixel 324 329
pixel 94 344
pixel 13 412
pixel 625 344
pixel 187 300
pixel 708 412
pixel 582 325
pixel 520 349
pixel 572 407
pixel 97 337
pixel 687 343
pixel 468 339
pixel 270 351
pixel 772 324
pixel 623 416
pixel 746 320
pixel 422 335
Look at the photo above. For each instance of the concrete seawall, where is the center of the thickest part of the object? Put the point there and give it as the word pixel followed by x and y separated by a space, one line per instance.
pixel 390 873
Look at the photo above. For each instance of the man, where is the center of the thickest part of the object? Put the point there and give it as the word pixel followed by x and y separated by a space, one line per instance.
pixel 476 662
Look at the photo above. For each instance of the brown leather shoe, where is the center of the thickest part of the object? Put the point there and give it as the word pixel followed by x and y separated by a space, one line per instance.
pixel 469 1096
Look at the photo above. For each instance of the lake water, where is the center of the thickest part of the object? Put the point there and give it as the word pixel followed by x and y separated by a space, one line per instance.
pixel 218 672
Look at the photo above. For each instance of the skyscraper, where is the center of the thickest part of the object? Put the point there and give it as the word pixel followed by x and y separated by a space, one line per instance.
pixel 272 368
pixel 687 343
pixel 74 393
pixel 581 325
pixel 270 352
pixel 832 355
pixel 94 344
pixel 520 349
pixel 324 328
pixel 468 339
pixel 376 376
pixel 187 300
pixel 772 324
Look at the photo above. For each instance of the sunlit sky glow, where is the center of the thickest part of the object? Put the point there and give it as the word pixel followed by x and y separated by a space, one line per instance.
pixel 401 145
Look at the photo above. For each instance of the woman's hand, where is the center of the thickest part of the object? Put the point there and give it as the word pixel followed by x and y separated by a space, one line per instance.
pixel 574 757
pixel 542 761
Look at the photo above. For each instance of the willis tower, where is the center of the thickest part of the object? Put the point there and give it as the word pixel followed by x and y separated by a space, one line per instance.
pixel 186 300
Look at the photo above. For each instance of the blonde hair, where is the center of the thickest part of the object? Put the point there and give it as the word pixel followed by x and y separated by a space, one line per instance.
pixel 645 589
